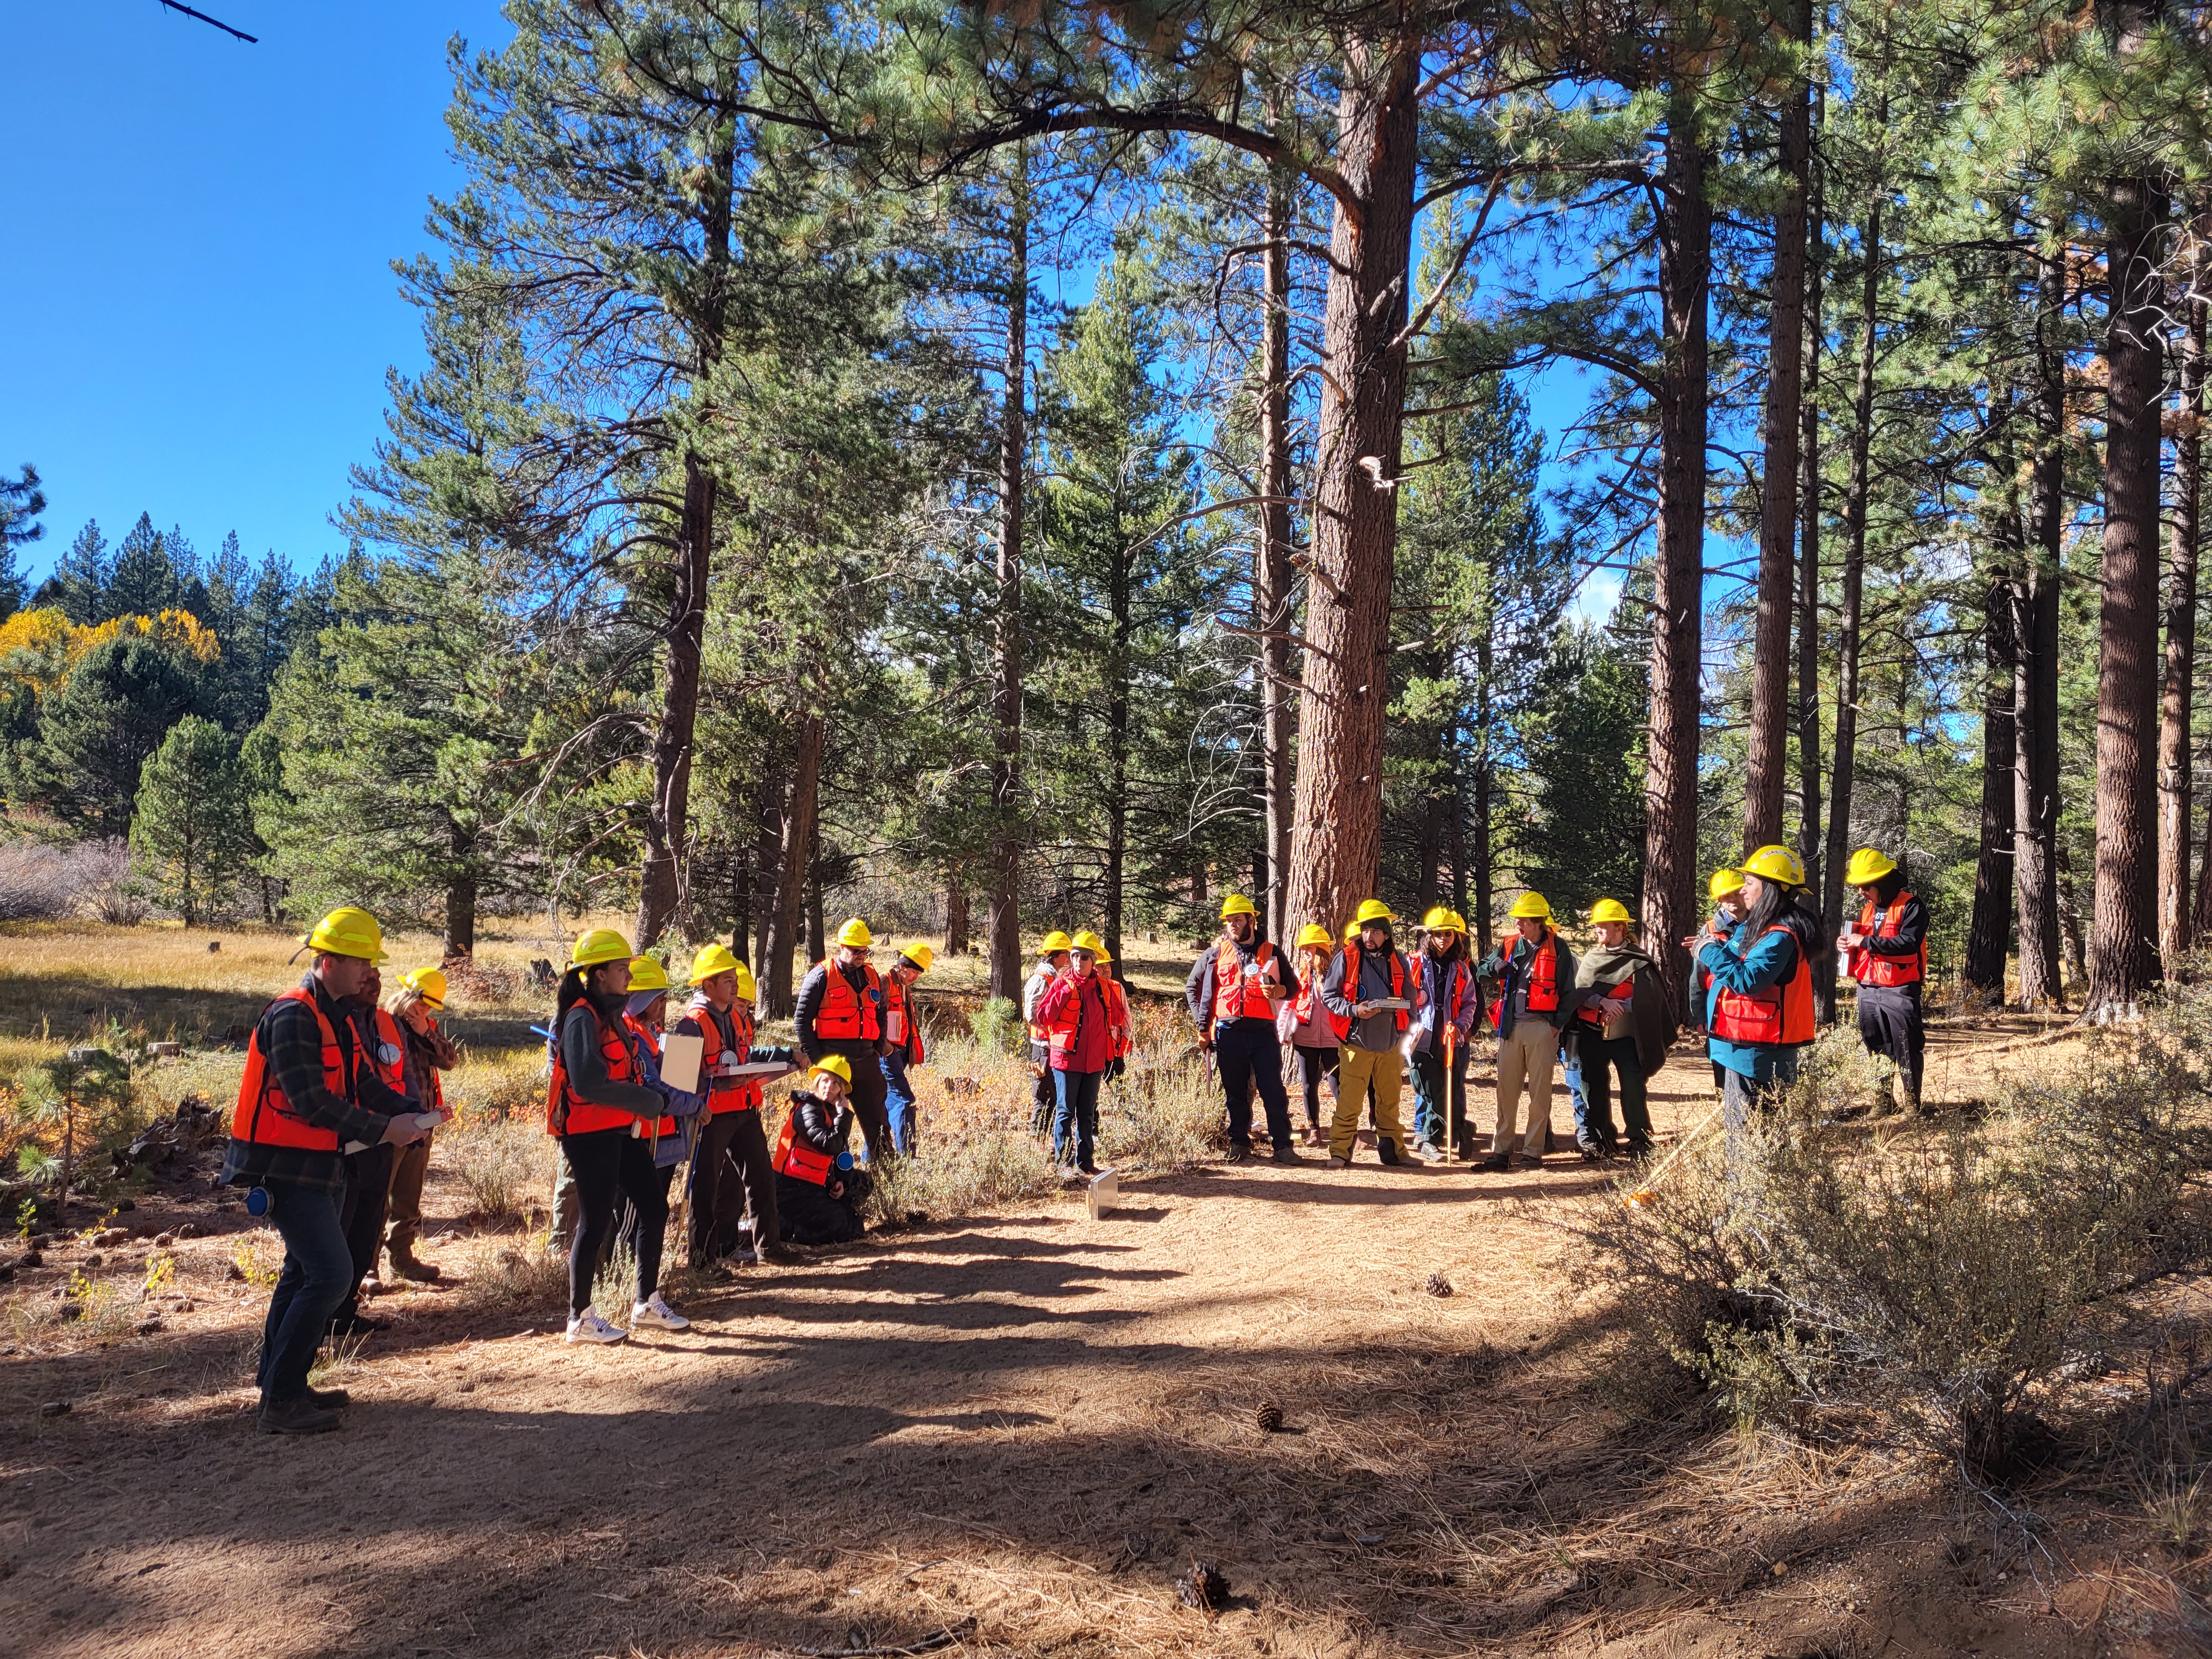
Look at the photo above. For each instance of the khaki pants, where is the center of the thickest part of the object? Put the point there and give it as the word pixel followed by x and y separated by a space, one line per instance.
pixel 403 1215
pixel 1527 1055
pixel 1355 1069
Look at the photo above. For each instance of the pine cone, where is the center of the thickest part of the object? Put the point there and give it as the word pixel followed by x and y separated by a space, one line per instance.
pixel 1205 1588
pixel 1439 1286
pixel 1269 1418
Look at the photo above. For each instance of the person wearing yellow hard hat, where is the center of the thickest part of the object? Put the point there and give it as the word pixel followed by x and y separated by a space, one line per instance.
pixel 416 1007
pixel 383 1050
pixel 1051 963
pixel 1447 1002
pixel 1886 953
pixel 608 1117
pixel 1535 974
pixel 1232 993
pixel 903 1043
pixel 732 1174
pixel 1763 987
pixel 840 1011
pixel 1117 1012
pixel 1078 1023
pixel 306 1096
pixel 1369 988
pixel 817 1190
pixel 1305 1024
pixel 1622 1027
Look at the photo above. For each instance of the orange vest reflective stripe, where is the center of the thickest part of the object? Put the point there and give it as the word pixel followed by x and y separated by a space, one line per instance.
pixel 1352 964
pixel 793 1157
pixel 566 1112
pixel 1060 1031
pixel 1868 968
pixel 845 1015
pixel 899 1024
pixel 262 1115
pixel 724 1093
pixel 1779 1016
pixel 650 1039
pixel 1234 996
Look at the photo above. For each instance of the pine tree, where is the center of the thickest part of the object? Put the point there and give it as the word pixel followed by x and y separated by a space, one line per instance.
pixel 103 725
pixel 21 501
pixel 78 586
pixel 192 826
pixel 144 579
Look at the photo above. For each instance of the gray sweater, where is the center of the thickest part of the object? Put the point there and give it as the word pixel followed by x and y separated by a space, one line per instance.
pixel 1379 1030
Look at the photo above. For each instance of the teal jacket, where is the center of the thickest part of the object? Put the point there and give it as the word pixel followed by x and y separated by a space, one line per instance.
pixel 1769 959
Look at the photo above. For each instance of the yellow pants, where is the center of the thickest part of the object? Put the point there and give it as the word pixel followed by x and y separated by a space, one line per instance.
pixel 1355 1069
pixel 1527 1057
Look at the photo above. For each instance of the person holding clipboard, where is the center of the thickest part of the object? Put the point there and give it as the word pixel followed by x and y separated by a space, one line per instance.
pixel 730 1169
pixel 1369 988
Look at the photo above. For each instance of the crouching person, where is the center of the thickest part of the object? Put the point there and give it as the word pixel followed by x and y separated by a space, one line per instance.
pixel 817 1190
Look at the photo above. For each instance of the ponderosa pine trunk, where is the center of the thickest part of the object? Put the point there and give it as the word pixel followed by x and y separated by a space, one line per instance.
pixel 956 914
pixel 2035 631
pixel 1006 921
pixel 1271 577
pixel 660 887
pixel 1808 594
pixel 1671 888
pixel 1767 763
pixel 2177 907
pixel 780 938
pixel 1120 600
pixel 461 917
pixel 1853 578
pixel 1337 847
pixel 1988 928
pixel 1480 887
pixel 2123 917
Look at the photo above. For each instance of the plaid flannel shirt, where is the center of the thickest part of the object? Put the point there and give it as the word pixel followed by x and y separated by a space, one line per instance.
pixel 294 1048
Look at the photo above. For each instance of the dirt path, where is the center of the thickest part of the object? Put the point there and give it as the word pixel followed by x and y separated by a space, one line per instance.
pixel 1020 1428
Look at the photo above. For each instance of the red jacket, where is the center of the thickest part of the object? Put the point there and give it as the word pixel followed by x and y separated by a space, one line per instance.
pixel 1081 1003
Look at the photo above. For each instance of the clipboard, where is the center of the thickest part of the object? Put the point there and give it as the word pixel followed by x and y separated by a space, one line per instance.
pixel 763 1068
pixel 680 1053
pixel 1393 1004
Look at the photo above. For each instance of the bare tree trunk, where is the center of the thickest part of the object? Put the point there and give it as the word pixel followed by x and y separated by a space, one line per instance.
pixel 1670 834
pixel 1458 820
pixel 2068 908
pixel 461 917
pixel 780 938
pixel 668 813
pixel 1337 850
pixel 956 914
pixel 1854 584
pixel 1271 585
pixel 1989 930
pixel 2035 701
pixel 2175 906
pixel 1809 846
pixel 2123 925
pixel 1005 922
pixel 817 941
pixel 1120 599
pixel 1768 761
pixel 1479 870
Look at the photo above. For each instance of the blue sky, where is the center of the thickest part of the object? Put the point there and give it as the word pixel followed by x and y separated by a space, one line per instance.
pixel 199 301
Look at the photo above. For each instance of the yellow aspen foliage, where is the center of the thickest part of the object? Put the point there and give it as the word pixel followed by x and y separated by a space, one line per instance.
pixel 41 647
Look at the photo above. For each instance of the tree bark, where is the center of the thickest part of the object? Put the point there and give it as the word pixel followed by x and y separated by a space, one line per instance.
pixel 461 917
pixel 668 813
pixel 1337 848
pixel 956 915
pixel 2035 698
pixel 1005 922
pixel 1989 930
pixel 1271 580
pixel 1119 601
pixel 1670 836
pixel 1768 760
pixel 1479 870
pixel 780 938
pixel 2124 921
pixel 1809 597
pixel 2176 902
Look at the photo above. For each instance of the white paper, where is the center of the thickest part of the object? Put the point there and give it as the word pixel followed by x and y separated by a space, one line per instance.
pixel 763 1068
pixel 680 1053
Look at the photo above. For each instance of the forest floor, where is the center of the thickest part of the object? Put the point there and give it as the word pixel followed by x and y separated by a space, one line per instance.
pixel 1018 1429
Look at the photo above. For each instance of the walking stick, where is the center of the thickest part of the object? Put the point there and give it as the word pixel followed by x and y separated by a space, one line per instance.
pixel 1642 1194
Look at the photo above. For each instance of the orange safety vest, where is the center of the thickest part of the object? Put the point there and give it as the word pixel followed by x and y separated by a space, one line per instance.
pixel 1868 968
pixel 1060 1032
pixel 845 1016
pixel 1117 1018
pixel 1234 997
pixel 1780 1016
pixel 724 1093
pixel 1543 983
pixel 1352 960
pixel 566 1112
pixel 1308 997
pixel 262 1115
pixel 793 1157
pixel 651 1038
pixel 898 1023
pixel 387 1056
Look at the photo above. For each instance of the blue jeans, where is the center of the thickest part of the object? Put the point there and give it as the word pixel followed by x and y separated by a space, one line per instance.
pixel 317 1275
pixel 1076 1118
pixel 898 1100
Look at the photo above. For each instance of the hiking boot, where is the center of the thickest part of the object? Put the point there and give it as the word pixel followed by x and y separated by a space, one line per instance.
pixel 1591 1151
pixel 1336 1163
pixel 1387 1150
pixel 1239 1152
pixel 357 1324
pixel 331 1400
pixel 404 1265
pixel 1496 1164
pixel 779 1255
pixel 1285 1155
pixel 296 1416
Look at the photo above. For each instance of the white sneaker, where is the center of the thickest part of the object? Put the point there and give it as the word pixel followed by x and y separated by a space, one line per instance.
pixel 658 1315
pixel 588 1327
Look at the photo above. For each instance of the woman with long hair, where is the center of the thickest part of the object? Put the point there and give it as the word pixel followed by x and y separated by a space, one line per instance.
pixel 1763 985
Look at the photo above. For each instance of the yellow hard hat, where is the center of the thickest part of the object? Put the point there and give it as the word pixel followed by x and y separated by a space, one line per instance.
pixel 347 932
pixel 1775 863
pixel 855 933
pixel 1103 953
pixel 1236 905
pixel 1086 940
pixel 1443 921
pixel 1723 882
pixel 1372 910
pixel 1611 910
pixel 429 984
pixel 646 974
pixel 918 954
pixel 1313 936
pixel 1458 921
pixel 1532 905
pixel 1868 865
pixel 1351 932
pixel 1055 941
pixel 747 987
pixel 597 945
pixel 836 1065
pixel 713 959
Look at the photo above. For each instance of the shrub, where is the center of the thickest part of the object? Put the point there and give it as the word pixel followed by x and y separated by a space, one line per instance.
pixel 997 1026
pixel 43 883
pixel 497 1161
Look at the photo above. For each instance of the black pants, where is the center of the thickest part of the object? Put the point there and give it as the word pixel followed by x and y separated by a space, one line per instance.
pixel 811 1216
pixel 607 1164
pixel 730 1174
pixel 1889 1024
pixel 1044 1096
pixel 1314 1064
pixel 1250 1056
pixel 868 1097
pixel 1600 1060
pixel 360 1214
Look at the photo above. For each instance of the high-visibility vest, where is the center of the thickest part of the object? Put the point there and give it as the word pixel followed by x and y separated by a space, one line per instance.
pixel 1352 964
pixel 387 1054
pixel 1308 997
pixel 1543 983
pixel 566 1112
pixel 1870 968
pixel 1042 977
pixel 1234 997
pixel 725 1093
pixel 899 1024
pixel 1459 981
pixel 262 1115
pixel 846 1016
pixel 650 1039
pixel 1061 1030
pixel 793 1157
pixel 1781 1016
pixel 1118 1045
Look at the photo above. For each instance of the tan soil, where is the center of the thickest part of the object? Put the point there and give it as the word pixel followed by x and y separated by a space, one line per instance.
pixel 1022 1429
